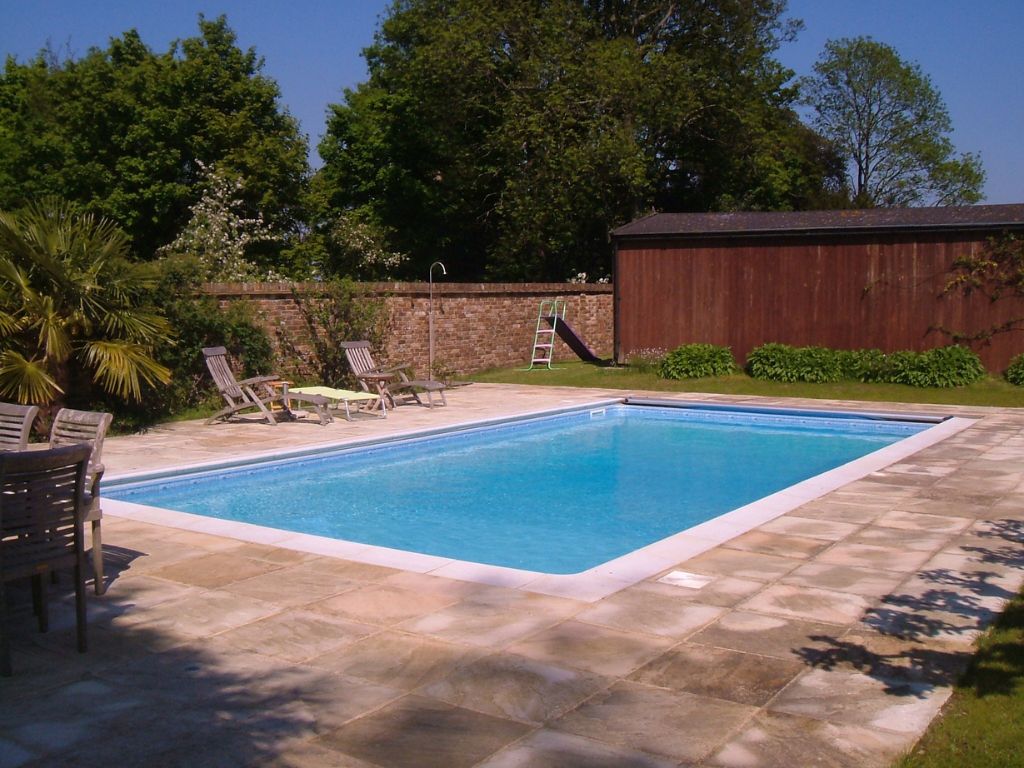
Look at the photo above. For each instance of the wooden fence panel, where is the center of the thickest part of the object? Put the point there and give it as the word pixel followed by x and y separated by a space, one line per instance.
pixel 845 292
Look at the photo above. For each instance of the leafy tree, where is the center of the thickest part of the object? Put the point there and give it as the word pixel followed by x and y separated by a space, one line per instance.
pixel 892 126
pixel 124 132
pixel 73 309
pixel 508 137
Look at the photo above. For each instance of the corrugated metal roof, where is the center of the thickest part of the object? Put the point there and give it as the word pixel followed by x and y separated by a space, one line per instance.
pixel 846 221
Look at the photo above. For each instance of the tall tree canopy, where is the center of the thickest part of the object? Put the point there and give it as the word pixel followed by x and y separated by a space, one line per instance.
pixel 121 132
pixel 507 136
pixel 892 127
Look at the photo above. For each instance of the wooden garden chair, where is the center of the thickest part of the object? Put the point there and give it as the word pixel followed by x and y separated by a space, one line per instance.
pixel 71 427
pixel 255 392
pixel 42 500
pixel 16 425
pixel 390 381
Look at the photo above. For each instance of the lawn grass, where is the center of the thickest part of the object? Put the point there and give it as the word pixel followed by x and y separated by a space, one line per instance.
pixel 982 725
pixel 990 391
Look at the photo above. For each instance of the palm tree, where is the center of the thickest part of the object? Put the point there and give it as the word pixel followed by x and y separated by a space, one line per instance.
pixel 71 302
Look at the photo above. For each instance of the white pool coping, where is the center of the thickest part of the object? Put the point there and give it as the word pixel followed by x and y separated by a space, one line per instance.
pixel 590 585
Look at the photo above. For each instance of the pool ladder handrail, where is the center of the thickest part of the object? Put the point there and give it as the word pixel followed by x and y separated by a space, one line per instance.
pixel 551 311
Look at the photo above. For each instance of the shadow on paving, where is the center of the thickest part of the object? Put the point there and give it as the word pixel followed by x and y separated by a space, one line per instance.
pixel 1010 554
pixel 952 606
pixel 142 696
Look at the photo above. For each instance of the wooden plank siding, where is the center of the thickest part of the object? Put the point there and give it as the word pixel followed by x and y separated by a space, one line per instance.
pixel 846 291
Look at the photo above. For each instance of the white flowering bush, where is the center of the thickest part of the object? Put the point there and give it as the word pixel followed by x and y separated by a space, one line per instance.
pixel 581 277
pixel 218 234
pixel 360 248
pixel 646 360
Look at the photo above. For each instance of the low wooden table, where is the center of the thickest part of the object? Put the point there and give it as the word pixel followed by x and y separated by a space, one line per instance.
pixel 280 385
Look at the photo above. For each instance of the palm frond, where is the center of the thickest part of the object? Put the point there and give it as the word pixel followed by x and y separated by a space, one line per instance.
pixel 121 367
pixel 9 325
pixel 25 381
pixel 12 274
pixel 52 328
pixel 63 246
pixel 136 325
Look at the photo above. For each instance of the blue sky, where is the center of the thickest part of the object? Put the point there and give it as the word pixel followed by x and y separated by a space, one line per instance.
pixel 971 50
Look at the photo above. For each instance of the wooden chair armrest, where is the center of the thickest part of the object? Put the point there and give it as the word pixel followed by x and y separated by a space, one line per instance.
pixel 97 475
pixel 394 369
pixel 92 496
pixel 257 380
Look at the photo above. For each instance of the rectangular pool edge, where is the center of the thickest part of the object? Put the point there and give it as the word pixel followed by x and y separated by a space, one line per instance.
pixel 319 448
pixel 589 585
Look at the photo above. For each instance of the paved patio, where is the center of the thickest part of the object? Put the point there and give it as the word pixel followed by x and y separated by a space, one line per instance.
pixel 829 636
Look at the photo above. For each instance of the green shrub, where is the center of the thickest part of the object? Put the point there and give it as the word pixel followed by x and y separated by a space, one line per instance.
pixel 818 364
pixel 900 368
pixel 697 361
pixel 198 322
pixel 1015 371
pixel 781 362
pixel 771 362
pixel 339 311
pixel 952 366
pixel 861 364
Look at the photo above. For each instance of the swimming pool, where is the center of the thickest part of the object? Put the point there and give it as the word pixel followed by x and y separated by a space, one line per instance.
pixel 557 494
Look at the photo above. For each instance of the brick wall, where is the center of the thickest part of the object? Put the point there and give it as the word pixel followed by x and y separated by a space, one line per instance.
pixel 476 325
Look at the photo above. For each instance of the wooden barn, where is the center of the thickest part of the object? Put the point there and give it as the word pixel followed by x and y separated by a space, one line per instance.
pixel 841 279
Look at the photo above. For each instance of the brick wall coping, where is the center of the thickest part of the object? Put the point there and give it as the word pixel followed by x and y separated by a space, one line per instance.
pixel 256 290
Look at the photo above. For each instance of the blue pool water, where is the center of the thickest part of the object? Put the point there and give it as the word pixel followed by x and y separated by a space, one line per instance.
pixel 557 495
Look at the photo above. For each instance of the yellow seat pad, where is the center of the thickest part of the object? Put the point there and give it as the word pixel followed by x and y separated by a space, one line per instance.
pixel 333 394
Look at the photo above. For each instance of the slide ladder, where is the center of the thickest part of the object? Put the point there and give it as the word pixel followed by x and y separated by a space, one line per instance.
pixel 550 312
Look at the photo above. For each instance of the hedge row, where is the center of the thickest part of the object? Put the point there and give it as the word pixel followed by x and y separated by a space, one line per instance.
pixel 952 366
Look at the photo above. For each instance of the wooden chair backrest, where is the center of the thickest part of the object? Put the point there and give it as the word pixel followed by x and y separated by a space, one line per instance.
pixel 223 376
pixel 41 501
pixel 16 425
pixel 358 355
pixel 71 427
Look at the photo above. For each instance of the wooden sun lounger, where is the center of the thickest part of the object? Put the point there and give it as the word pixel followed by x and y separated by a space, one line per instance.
pixel 255 392
pixel 391 381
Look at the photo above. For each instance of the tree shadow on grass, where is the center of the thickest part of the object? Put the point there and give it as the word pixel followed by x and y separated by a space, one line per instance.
pixel 998 667
pixel 145 696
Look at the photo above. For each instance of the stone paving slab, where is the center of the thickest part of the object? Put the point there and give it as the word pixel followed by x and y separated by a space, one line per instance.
pixel 675 724
pixel 775 738
pixel 829 636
